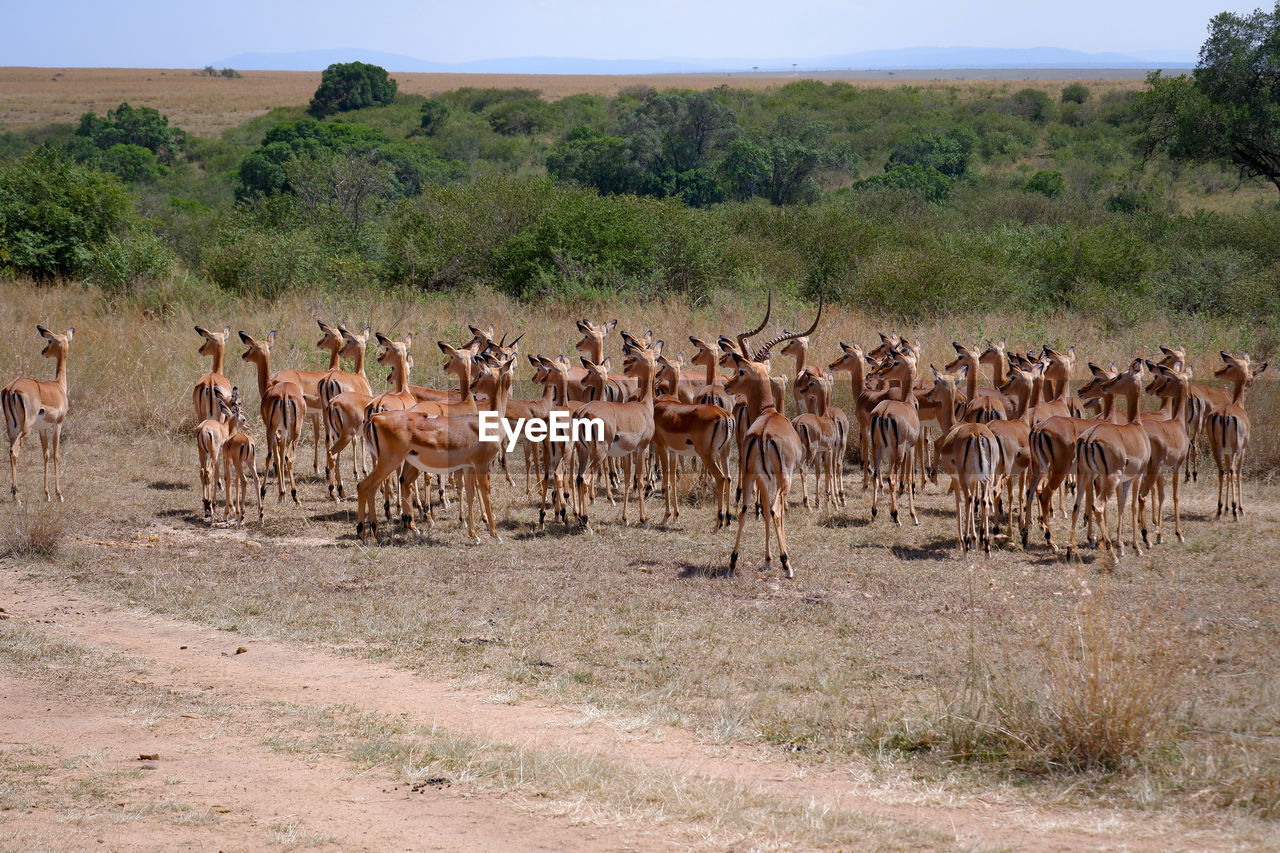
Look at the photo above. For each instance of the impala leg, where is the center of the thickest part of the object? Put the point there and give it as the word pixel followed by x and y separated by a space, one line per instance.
pixel 315 444
pixel 748 487
pixel 960 543
pixel 1082 492
pixel 44 452
pixel 778 518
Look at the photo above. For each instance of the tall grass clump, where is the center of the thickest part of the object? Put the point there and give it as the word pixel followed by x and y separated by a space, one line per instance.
pixel 1103 699
pixel 32 531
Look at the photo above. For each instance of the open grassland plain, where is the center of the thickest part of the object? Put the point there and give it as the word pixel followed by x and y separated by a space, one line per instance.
pixel 611 690
pixel 206 106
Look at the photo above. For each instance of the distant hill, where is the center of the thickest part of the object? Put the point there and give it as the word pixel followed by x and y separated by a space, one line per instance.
pixel 910 57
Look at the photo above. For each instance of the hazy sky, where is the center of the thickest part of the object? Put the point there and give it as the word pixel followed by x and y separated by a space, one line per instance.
pixel 165 33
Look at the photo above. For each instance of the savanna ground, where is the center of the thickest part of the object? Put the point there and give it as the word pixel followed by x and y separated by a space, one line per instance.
pixel 608 691
pixel 206 106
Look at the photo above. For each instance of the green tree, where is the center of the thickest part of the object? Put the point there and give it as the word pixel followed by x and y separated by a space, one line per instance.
pixel 592 159
pixel 948 153
pixel 1228 111
pixel 1075 93
pixel 351 86
pixel 916 178
pixel 1046 183
pixel 132 163
pixel 142 126
pixel 434 114
pixel 55 214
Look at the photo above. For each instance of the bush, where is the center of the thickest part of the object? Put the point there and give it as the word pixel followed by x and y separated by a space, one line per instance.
pixel 265 262
pixel 948 154
pixel 54 214
pixel 142 126
pixel 1075 93
pixel 351 86
pixel 925 182
pixel 1049 184
pixel 132 163
pixel 1032 104
pixel 130 262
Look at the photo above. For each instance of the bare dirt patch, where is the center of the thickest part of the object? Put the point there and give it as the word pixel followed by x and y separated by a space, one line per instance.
pixel 203 711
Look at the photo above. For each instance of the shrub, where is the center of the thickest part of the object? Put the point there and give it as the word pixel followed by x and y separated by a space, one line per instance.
pixel 948 154
pixel 131 163
pixel 264 262
pixel 925 182
pixel 126 125
pixel 1032 104
pixel 1046 183
pixel 130 262
pixel 351 86
pixel 55 213
pixel 1075 93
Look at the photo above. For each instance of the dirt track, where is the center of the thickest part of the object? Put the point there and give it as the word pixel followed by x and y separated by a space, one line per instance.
pixel 208 713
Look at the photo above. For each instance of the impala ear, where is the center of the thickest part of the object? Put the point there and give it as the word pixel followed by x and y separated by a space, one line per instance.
pixel 271 336
pixel 44 333
pixel 959 346
pixel 657 347
pixel 245 339
pixel 71 333
pixel 583 326
pixel 936 374
pixel 1002 343
pixel 446 348
pixel 533 359
pixel 607 364
pixel 382 339
pixel 1256 370
pixel 563 359
pixel 586 362
pixel 1164 349
pixel 203 332
pixel 1094 369
pixel 610 326
pixel 324 327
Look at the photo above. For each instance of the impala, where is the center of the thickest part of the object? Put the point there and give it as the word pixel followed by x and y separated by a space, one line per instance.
pixel 771 449
pixel 628 429
pixel 211 435
pixel 430 444
pixel 30 404
pixel 1053 453
pixel 1201 400
pixel 864 400
pixel 1229 430
pixel 284 406
pixel 238 453
pixel 711 390
pixel 213 384
pixel 974 458
pixel 1170 445
pixel 895 432
pixel 1110 459
pixel 824 434
pixel 982 405
pixel 485 384
pixel 693 429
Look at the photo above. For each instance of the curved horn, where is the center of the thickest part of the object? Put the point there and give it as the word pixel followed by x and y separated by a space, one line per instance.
pixel 763 351
pixel 742 338
pixel 517 340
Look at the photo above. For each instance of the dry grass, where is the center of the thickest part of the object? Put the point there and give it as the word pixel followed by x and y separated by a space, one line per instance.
pixel 206 106
pixel 1102 700
pixel 865 653
pixel 32 530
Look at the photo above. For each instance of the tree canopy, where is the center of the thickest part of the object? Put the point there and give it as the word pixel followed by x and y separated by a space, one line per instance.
pixel 1228 111
pixel 352 86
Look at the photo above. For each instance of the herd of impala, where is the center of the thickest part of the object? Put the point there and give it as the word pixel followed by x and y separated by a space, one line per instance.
pixel 1008 449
